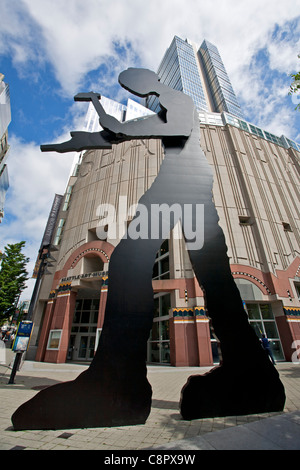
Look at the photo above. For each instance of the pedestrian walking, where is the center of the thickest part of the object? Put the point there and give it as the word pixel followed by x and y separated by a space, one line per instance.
pixel 266 345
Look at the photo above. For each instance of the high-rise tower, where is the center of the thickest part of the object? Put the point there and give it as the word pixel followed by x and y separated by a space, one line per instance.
pixel 5 118
pixel 200 74
pixel 221 91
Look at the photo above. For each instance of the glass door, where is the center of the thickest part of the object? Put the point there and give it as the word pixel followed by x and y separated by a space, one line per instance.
pixel 159 341
pixel 82 350
pixel 84 329
pixel 85 348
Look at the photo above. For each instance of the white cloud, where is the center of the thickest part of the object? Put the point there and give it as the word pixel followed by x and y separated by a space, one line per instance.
pixel 284 47
pixel 80 36
pixel 35 178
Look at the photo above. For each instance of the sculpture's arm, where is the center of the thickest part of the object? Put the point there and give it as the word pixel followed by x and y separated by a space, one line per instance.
pixel 82 141
pixel 146 127
pixel 177 124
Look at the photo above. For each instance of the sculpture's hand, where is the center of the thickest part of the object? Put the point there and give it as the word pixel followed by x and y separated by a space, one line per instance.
pixel 94 98
pixel 109 123
pixel 87 96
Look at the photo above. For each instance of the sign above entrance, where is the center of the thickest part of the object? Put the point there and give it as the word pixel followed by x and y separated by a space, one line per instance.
pixel 96 274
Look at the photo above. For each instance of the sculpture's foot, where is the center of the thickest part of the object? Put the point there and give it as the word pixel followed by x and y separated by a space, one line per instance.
pixel 228 391
pixel 88 401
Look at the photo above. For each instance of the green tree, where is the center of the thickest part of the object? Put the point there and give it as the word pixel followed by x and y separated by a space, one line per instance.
pixel 13 277
pixel 295 86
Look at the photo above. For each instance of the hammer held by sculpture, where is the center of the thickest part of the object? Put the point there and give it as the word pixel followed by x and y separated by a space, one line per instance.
pixel 114 390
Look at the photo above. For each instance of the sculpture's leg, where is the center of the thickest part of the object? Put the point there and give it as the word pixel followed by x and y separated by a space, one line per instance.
pixel 114 391
pixel 246 382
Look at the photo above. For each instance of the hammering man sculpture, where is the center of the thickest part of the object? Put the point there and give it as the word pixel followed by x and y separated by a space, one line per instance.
pixel 114 390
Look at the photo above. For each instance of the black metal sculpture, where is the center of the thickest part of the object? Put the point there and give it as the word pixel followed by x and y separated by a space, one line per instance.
pixel 114 390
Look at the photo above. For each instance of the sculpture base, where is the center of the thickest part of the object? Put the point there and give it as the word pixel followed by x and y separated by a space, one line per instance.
pixel 232 391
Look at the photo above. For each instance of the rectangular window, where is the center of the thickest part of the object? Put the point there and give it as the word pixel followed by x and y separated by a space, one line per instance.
pixel 286 227
pixel 253 312
pixel 59 231
pixel 161 268
pixel 244 220
pixel 262 320
pixel 54 339
pixel 297 286
pixel 67 198
pixel 86 312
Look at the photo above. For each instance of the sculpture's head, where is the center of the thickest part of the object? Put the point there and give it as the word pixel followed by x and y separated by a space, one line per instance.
pixel 140 82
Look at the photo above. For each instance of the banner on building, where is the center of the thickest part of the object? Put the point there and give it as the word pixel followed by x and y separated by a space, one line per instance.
pixel 51 221
pixel 48 234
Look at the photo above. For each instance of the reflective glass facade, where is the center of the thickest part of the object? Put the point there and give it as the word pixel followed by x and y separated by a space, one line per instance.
pixel 110 106
pixel 200 75
pixel 132 110
pixel 5 112
pixel 179 70
pixel 4 185
pixel 5 118
pixel 221 90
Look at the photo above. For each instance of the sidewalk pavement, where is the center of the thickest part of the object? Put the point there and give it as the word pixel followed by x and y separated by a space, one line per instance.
pixel 164 430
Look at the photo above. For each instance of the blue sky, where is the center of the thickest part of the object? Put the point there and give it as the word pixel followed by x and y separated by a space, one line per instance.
pixel 52 49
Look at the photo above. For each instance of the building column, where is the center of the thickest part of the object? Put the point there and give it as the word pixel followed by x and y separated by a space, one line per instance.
pixel 203 338
pixel 184 348
pixel 289 332
pixel 101 311
pixel 102 305
pixel 62 323
pixel 45 327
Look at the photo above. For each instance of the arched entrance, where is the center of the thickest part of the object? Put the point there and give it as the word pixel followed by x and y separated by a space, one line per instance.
pixel 85 324
pixel 75 309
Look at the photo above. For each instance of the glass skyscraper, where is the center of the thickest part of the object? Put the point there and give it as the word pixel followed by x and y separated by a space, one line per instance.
pixel 220 88
pixel 200 74
pixel 5 118
pixel 179 70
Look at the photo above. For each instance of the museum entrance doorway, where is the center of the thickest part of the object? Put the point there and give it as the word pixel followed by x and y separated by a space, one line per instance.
pixel 83 336
pixel 82 347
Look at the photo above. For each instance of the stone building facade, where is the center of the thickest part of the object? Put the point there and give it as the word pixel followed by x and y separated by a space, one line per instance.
pixel 256 192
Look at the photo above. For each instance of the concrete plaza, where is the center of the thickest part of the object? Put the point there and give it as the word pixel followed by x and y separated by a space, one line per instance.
pixel 164 428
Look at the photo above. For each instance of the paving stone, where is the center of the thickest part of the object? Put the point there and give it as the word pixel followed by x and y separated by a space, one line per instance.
pixel 164 427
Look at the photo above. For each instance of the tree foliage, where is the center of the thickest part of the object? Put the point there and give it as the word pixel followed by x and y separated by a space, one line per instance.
pixel 295 86
pixel 13 277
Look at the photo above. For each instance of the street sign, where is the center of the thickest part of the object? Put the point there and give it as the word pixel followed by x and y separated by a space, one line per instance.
pixel 23 336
